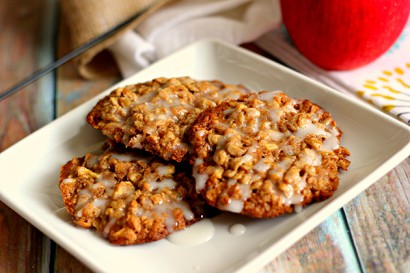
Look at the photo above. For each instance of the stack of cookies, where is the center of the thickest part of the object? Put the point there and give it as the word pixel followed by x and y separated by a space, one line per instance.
pixel 178 149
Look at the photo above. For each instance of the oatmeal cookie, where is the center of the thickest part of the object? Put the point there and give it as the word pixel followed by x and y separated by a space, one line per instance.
pixel 155 115
pixel 129 198
pixel 266 154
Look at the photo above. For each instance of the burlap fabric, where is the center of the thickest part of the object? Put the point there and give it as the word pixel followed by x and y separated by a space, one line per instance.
pixel 87 19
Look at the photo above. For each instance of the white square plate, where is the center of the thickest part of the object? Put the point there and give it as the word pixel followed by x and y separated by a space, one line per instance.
pixel 30 169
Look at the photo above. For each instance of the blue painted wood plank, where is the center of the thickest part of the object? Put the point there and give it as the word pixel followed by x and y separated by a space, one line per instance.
pixel 379 220
pixel 327 248
pixel 45 104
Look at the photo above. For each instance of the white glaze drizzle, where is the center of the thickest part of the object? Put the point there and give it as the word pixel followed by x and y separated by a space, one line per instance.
pixel 237 229
pixel 268 96
pixel 68 181
pixel 128 157
pixel 200 178
pixel 197 234
pixel 166 210
pixel 164 183
pixel 310 129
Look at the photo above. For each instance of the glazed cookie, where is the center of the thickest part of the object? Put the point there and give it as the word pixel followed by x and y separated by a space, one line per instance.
pixel 266 154
pixel 129 198
pixel 155 115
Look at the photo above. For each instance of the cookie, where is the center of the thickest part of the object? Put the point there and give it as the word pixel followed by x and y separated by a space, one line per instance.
pixel 127 197
pixel 266 154
pixel 156 115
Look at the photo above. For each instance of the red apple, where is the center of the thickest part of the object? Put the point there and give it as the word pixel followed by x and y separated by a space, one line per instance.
pixel 344 34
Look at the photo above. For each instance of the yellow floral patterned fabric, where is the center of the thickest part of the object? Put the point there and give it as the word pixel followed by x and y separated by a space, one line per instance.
pixel 390 90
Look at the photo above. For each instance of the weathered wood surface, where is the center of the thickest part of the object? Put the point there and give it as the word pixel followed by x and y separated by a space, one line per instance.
pixel 370 234
pixel 379 221
pixel 22 247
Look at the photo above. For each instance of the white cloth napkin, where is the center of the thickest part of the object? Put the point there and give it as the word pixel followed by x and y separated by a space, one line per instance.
pixel 384 83
pixel 182 22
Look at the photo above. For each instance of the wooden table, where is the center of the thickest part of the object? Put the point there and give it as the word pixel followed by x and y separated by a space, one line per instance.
pixel 369 234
